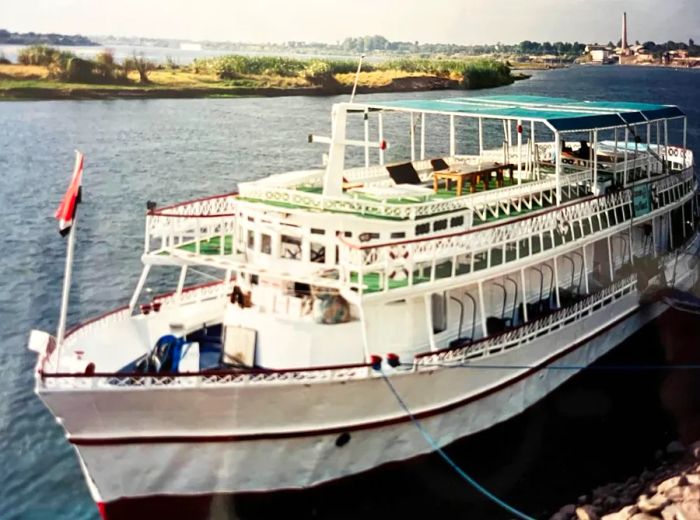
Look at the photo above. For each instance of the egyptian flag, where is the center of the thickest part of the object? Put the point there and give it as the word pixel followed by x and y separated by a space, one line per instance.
pixel 66 210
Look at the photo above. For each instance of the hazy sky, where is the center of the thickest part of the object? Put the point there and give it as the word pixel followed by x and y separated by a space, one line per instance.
pixel 435 21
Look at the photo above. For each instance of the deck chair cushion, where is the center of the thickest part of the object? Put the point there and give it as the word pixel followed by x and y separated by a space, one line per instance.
pixel 439 164
pixel 404 173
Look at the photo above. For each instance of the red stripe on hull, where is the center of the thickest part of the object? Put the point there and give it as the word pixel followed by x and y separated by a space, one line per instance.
pixel 193 507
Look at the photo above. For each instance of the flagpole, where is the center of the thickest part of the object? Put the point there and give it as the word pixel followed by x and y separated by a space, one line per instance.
pixel 66 288
pixel 60 334
pixel 67 213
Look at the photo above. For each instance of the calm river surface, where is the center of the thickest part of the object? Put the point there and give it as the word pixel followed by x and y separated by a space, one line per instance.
pixel 163 150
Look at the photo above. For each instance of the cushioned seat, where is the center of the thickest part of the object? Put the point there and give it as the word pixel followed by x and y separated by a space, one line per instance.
pixel 403 173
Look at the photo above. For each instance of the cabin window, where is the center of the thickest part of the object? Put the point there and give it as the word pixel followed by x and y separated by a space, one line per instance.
pixel 398 234
pixel 536 244
pixel 456 221
pixel 291 247
pixel 366 237
pixel 439 225
pixel 251 239
pixel 422 229
pixel 348 234
pixel 317 231
pixel 524 246
pixel 480 260
pixel 576 226
pixel 318 253
pixel 265 243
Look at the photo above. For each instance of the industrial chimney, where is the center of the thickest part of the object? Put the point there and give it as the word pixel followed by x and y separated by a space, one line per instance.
pixel 624 33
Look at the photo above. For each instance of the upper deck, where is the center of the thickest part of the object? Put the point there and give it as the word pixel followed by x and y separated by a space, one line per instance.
pixel 468 164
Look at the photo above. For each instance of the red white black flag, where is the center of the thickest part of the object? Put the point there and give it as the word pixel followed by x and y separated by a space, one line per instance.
pixel 66 210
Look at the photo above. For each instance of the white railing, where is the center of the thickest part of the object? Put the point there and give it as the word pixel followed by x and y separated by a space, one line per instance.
pixel 530 331
pixel 204 379
pixel 189 296
pixel 513 198
pixel 191 222
pixel 404 258
pixel 672 188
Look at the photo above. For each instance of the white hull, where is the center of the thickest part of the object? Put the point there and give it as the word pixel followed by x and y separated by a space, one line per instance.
pixel 212 462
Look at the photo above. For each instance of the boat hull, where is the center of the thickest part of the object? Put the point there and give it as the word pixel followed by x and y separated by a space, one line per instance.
pixel 205 466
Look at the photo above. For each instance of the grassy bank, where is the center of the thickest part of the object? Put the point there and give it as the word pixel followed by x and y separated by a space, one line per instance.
pixel 45 73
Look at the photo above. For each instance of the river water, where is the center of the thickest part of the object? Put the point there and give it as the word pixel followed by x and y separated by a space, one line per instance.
pixel 169 150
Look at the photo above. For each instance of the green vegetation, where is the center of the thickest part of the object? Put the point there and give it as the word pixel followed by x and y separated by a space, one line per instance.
pixel 471 73
pixel 42 70
pixel 66 66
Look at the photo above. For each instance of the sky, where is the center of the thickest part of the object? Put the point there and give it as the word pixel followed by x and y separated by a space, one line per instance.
pixel 427 21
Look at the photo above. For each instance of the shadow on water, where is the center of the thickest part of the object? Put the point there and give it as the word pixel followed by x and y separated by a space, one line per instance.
pixel 599 427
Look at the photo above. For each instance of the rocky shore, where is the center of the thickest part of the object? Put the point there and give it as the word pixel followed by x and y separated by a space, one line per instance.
pixel 671 491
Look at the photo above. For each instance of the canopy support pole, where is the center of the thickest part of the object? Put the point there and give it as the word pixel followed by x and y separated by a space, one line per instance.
pixel 519 130
pixel 685 138
pixel 557 151
pixel 624 167
pixel 366 139
pixel 648 150
pixel 452 135
pixel 380 123
pixel 413 138
pixel 615 156
pixel 595 162
pixel 422 136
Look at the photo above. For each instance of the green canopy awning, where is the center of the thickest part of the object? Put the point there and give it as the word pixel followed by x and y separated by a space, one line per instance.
pixel 560 114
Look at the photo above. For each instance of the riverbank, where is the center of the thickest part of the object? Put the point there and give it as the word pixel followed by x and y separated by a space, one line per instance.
pixel 34 82
pixel 670 491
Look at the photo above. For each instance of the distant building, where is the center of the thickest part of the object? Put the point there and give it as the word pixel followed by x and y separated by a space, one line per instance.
pixel 600 55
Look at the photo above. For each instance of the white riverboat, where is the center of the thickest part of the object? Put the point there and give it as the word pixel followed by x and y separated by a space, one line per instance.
pixel 518 233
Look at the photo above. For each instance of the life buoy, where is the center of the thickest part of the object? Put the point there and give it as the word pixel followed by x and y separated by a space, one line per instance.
pixel 399 253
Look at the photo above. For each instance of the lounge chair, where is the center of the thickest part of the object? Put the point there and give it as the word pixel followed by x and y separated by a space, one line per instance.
pixel 439 165
pixel 404 173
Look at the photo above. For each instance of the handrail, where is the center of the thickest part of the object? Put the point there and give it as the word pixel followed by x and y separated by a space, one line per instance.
pixel 526 332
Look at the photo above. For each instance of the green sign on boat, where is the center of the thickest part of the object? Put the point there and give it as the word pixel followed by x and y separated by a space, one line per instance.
pixel 642 199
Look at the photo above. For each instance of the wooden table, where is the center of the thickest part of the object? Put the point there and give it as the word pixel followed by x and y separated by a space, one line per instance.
pixel 474 174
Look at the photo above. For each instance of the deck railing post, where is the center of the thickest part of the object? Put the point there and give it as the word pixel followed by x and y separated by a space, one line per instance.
pixel 482 310
pixel 556 282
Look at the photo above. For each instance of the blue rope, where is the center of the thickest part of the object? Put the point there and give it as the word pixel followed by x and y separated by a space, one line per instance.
pixel 431 442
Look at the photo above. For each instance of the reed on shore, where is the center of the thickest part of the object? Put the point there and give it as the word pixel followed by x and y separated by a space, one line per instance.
pixel 41 69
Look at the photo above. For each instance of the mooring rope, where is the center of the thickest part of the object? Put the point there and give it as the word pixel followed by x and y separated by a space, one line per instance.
pixel 435 447
pixel 619 368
